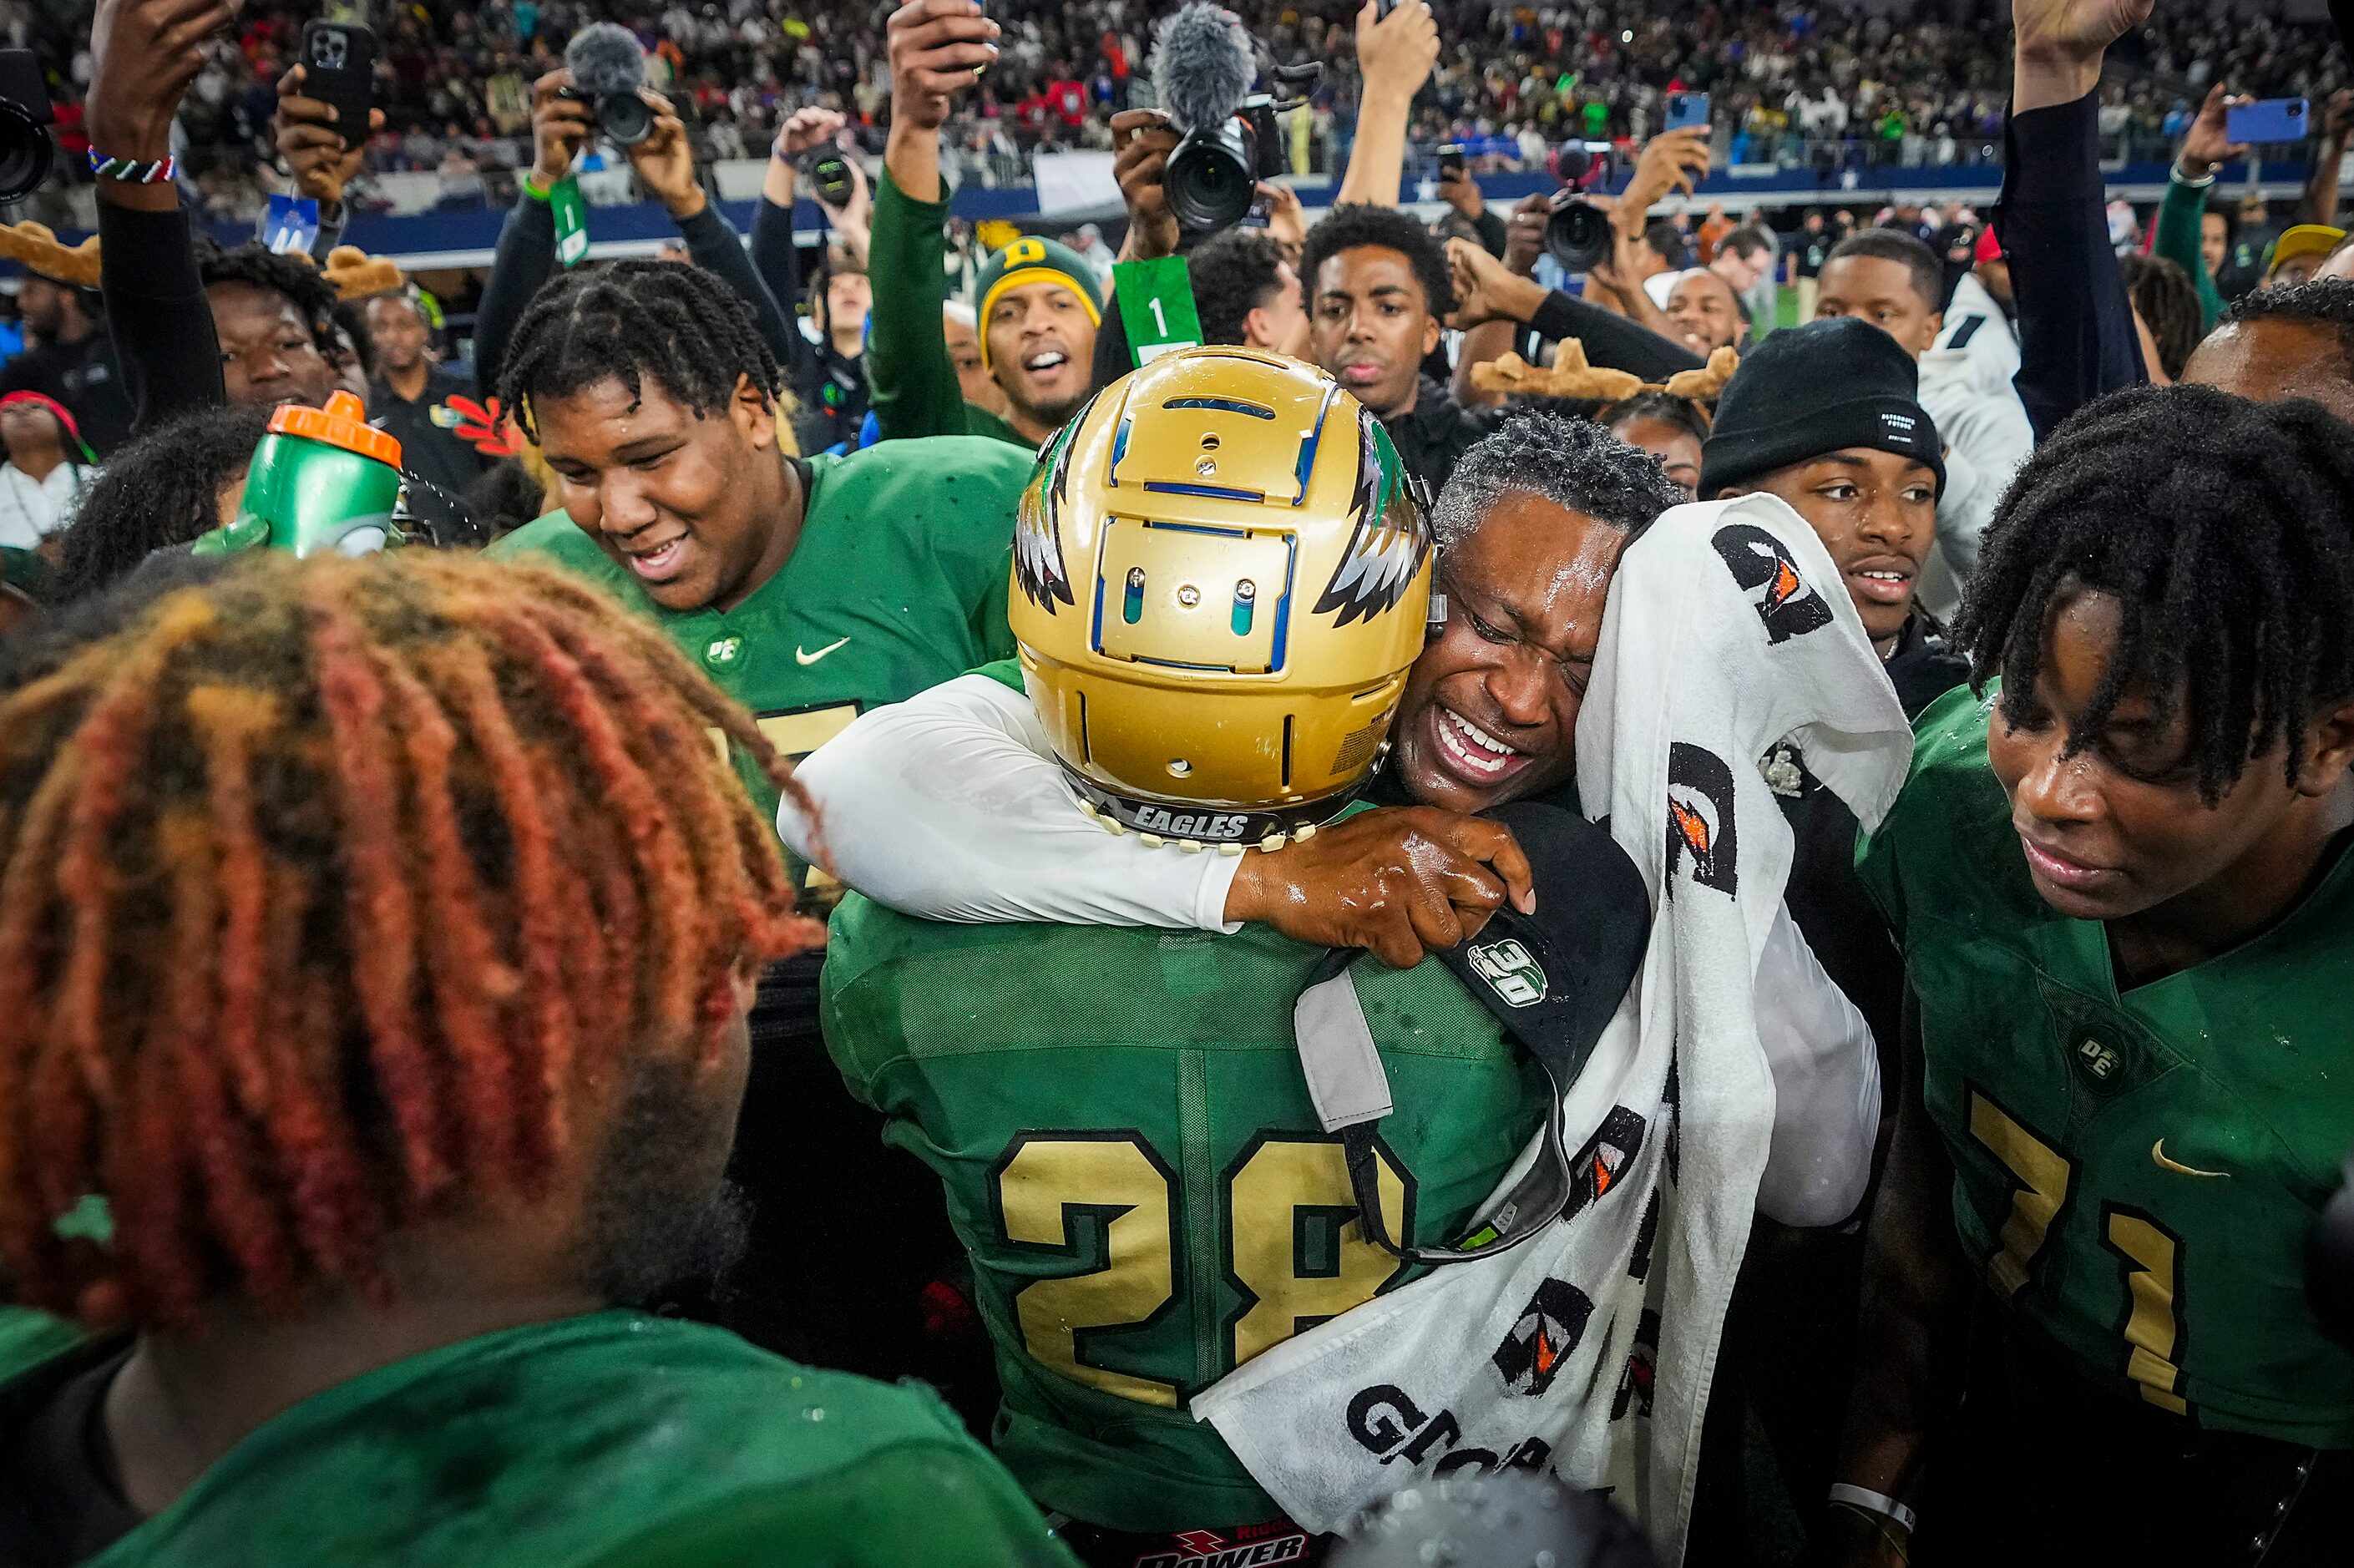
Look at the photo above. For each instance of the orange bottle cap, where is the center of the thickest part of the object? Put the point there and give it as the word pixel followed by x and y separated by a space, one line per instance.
pixel 342 423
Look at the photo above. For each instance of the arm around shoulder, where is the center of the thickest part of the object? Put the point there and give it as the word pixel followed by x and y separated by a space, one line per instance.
pixel 950 806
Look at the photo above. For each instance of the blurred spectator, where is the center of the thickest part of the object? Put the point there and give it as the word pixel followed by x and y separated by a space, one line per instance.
pixel 47 468
pixel 413 398
pixel 1892 281
pixel 67 354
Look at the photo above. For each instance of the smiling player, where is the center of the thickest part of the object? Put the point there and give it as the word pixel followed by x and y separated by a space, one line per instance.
pixel 809 589
pixel 2121 882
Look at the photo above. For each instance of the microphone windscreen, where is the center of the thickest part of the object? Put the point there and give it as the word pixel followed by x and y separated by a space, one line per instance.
pixel 605 59
pixel 1203 64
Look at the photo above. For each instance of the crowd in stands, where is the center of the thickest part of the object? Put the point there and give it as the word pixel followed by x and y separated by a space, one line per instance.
pixel 1796 85
pixel 1032 760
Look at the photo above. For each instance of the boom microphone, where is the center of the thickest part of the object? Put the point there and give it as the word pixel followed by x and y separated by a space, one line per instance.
pixel 1203 64
pixel 609 70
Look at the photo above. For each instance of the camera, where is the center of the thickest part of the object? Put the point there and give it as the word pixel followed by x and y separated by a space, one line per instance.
pixel 1203 64
pixel 1577 234
pixel 25 150
pixel 609 74
pixel 625 118
pixel 830 173
pixel 1213 173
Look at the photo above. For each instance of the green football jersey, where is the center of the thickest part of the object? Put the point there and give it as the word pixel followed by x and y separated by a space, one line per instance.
pixel 1134 1166
pixel 897 583
pixel 2135 1172
pixel 611 1441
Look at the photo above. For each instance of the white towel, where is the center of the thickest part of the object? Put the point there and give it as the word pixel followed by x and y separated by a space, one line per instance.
pixel 1588 1351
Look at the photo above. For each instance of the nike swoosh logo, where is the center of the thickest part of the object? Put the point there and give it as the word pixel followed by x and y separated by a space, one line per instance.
pixel 802 656
pixel 2158 1152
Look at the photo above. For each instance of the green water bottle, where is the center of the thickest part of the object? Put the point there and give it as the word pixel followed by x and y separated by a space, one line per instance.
pixel 323 482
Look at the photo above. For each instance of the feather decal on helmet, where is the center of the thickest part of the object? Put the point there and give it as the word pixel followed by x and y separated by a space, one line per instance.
pixel 1390 541
pixel 1037 525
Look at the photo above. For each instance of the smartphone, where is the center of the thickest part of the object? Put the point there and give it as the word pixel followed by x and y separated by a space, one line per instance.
pixel 339 68
pixel 1686 110
pixel 1450 157
pixel 2268 119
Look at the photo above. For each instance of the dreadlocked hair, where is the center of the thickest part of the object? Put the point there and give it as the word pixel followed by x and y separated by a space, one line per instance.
pixel 2225 530
pixel 325 887
pixel 634 322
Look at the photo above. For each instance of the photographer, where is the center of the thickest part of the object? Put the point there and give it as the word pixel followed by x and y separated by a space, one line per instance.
pixel 1038 303
pixel 664 162
pixel 1246 281
pixel 828 378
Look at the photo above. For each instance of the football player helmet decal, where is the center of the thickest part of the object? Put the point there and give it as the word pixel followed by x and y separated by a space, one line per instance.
pixel 1038 569
pixel 1390 544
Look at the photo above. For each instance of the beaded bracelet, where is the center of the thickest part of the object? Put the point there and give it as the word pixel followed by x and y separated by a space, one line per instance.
pixel 132 171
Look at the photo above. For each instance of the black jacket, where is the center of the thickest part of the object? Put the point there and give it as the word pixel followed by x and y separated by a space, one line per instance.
pixel 1826 898
pixel 2076 337
pixel 1432 436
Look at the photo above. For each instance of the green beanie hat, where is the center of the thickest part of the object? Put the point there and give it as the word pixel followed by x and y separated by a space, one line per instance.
pixel 1031 260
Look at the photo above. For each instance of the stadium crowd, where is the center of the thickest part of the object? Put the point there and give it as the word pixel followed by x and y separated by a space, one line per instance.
pixel 1251 885
pixel 1795 85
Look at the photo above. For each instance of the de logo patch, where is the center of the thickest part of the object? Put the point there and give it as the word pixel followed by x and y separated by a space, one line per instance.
pixel 1785 601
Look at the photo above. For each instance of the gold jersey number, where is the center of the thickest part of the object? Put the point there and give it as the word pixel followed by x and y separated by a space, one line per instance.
pixel 2152 1253
pixel 1295 1250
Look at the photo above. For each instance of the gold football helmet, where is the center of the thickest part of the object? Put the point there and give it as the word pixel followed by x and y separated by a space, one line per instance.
pixel 1219 580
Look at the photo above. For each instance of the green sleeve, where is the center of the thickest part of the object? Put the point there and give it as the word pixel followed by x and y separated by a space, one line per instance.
pixel 28 1337
pixel 1005 673
pixel 2180 218
pixel 916 1506
pixel 991 632
pixel 911 382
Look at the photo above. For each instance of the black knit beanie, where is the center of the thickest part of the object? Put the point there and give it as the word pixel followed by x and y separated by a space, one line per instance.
pixel 1812 389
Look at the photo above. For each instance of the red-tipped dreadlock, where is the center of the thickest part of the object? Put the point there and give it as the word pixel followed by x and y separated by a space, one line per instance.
pixel 323 887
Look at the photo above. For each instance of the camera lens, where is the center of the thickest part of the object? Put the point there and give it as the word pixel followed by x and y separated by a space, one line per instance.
pixel 831 175
pixel 1209 179
pixel 625 117
pixel 25 153
pixel 1577 235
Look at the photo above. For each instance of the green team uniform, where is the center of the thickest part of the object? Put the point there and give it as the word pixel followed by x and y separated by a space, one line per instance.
pixel 609 1441
pixel 911 382
pixel 897 583
pixel 1134 1166
pixel 2135 1172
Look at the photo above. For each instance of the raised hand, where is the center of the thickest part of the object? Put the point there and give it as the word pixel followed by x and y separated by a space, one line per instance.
pixel 664 162
pixel 2059 44
pixel 560 127
pixel 313 149
pixel 934 47
pixel 2208 144
pixel 143 54
pixel 1145 139
pixel 1672 161
pixel 1488 290
pixel 809 127
pixel 1396 52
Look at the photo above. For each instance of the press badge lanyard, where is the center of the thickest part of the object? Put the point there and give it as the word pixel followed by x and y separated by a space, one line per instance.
pixel 1156 306
pixel 1554 981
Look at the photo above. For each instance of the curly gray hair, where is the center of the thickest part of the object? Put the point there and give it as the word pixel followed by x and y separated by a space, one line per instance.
pixel 1571 463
